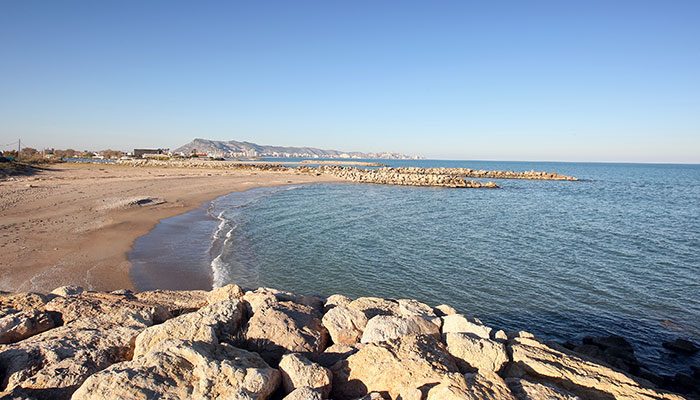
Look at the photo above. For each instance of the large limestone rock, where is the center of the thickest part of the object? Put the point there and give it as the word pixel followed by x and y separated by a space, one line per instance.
pixel 304 393
pixel 54 363
pixel 285 327
pixel 23 324
pixel 336 300
pixel 175 302
pixel 487 386
pixel 373 306
pixel 225 293
pixel 298 372
pixel 476 354
pixel 575 374
pixel 264 297
pixel 344 324
pixel 13 302
pixel 528 390
pixel 66 291
pixel 444 310
pixel 106 307
pixel 386 327
pixel 209 324
pixel 458 323
pixel 395 367
pixel 180 369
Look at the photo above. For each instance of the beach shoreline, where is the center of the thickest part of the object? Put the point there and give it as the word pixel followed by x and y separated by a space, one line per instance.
pixel 74 224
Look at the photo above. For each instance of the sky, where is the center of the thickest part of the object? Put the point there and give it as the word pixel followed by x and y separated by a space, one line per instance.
pixel 491 80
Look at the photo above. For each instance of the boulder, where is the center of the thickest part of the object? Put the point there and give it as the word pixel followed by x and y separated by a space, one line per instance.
pixel 526 389
pixel 225 293
pixel 11 303
pixel 281 296
pixel 487 386
pixel 285 327
pixel 386 327
pixel 395 367
pixel 107 308
pixel 476 354
pixel 298 372
pixel 54 363
pixel 304 393
pixel 336 300
pixel 23 324
pixel 181 369
pixel 578 375
pixel 66 291
pixel 344 324
pixel 210 324
pixel 373 306
pixel 409 308
pixel 174 302
pixel 458 323
pixel 444 310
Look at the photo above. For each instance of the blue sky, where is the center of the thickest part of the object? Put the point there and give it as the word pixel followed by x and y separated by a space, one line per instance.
pixel 559 80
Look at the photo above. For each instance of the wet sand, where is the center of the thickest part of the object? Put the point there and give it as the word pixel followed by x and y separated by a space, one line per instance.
pixel 74 223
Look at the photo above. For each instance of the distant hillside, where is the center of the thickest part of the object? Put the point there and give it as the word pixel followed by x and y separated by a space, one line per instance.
pixel 233 148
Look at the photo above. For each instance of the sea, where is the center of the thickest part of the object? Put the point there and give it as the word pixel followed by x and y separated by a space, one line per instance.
pixel 617 252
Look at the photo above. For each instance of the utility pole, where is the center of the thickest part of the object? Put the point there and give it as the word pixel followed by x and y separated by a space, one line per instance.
pixel 19 147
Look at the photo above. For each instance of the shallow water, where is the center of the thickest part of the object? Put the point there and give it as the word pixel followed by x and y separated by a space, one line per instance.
pixel 618 252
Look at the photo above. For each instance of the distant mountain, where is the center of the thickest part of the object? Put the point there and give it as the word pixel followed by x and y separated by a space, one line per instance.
pixel 233 148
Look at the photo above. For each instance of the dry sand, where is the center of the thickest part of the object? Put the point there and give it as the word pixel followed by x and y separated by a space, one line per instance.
pixel 75 223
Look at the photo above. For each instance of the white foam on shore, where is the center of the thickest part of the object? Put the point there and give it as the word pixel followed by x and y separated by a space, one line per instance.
pixel 220 269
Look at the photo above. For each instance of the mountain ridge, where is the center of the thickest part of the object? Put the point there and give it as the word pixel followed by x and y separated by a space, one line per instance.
pixel 234 148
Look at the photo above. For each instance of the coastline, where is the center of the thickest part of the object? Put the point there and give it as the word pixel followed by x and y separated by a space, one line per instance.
pixel 73 224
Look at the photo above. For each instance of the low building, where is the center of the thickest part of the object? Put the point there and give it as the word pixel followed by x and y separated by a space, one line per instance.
pixel 140 153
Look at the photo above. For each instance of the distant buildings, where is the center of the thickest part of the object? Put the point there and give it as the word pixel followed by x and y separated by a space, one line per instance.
pixel 145 153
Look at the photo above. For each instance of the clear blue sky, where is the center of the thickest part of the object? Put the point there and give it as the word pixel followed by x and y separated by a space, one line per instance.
pixel 541 80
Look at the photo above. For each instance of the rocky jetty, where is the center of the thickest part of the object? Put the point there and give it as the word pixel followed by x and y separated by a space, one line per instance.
pixel 474 173
pixel 269 344
pixel 399 176
pixel 406 176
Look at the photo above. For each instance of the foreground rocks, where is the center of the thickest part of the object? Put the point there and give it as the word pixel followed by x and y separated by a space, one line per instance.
pixel 271 344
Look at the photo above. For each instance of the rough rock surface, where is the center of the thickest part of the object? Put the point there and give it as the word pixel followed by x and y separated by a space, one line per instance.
pixel 476 354
pixel 23 324
pixel 373 306
pixel 344 324
pixel 54 363
pixel 298 372
pixel 488 386
pixel 386 327
pixel 458 323
pixel 304 393
pixel 528 390
pixel 209 324
pixel 394 367
pixel 283 327
pixel 180 369
pixel 576 374
pixel 189 344
pixel 176 302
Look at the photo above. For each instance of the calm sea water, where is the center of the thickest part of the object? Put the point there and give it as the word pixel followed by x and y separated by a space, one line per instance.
pixel 616 253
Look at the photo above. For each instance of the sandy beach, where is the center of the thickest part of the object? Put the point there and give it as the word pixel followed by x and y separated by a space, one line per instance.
pixel 73 224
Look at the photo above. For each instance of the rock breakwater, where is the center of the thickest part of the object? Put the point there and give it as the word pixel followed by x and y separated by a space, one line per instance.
pixel 230 343
pixel 474 173
pixel 405 176
pixel 399 176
